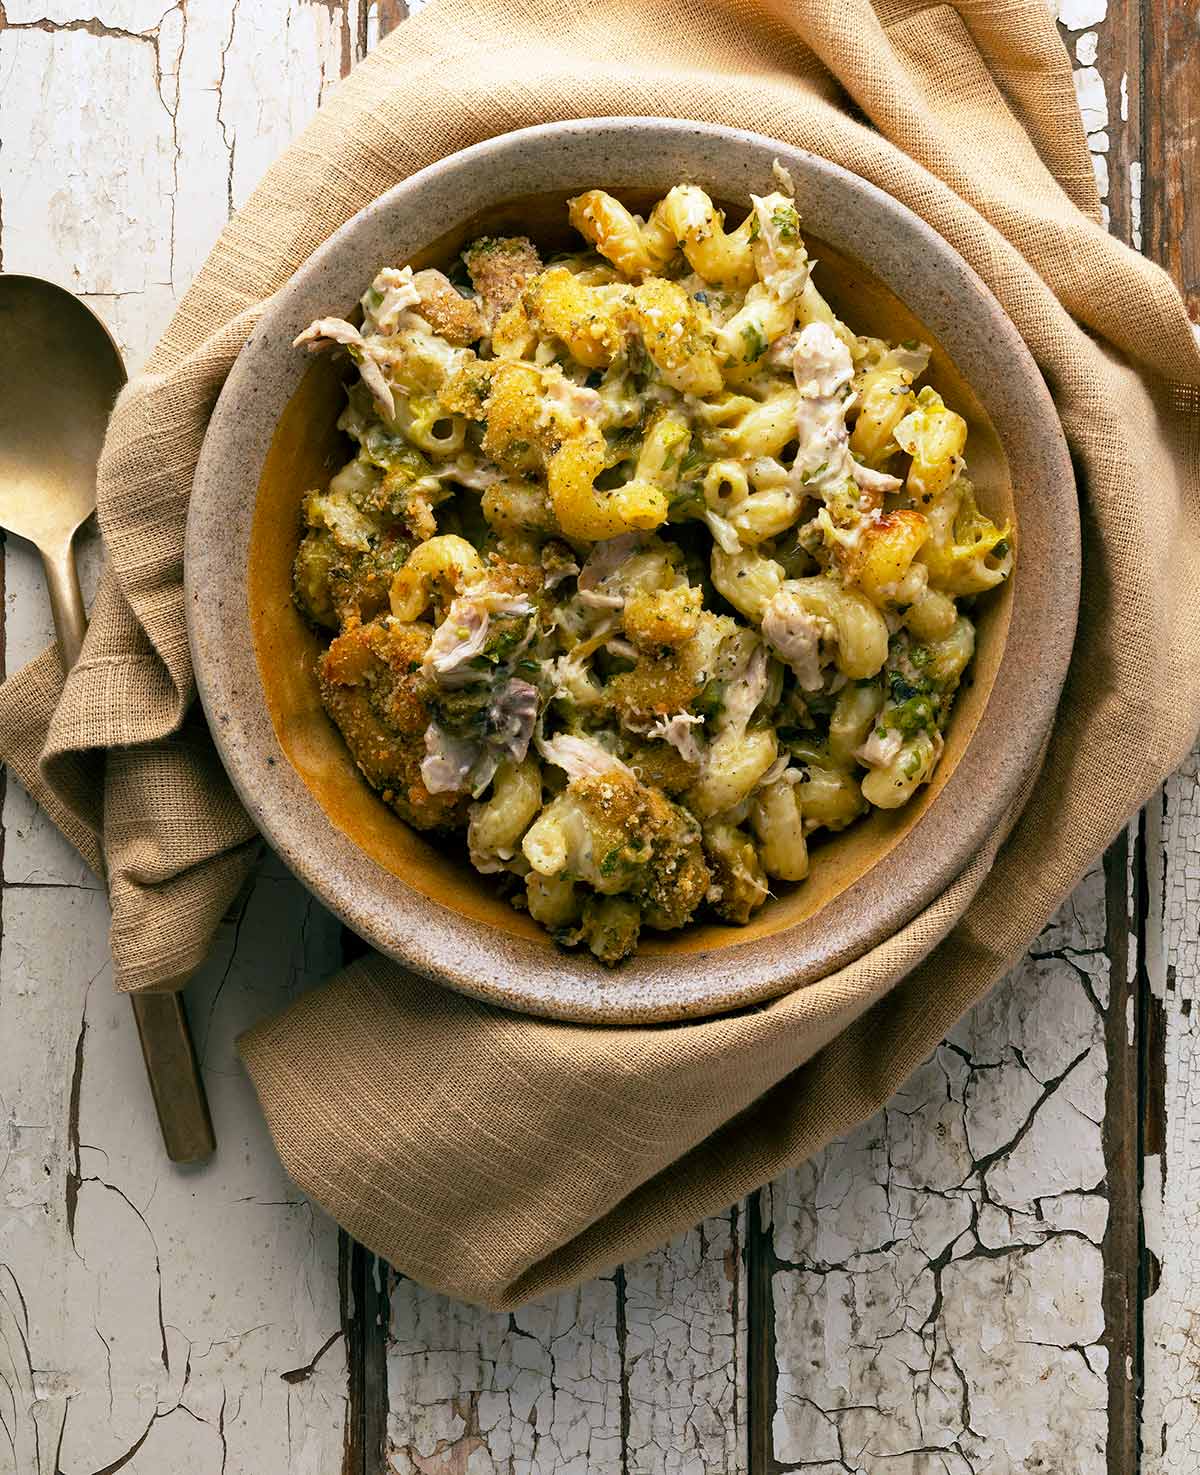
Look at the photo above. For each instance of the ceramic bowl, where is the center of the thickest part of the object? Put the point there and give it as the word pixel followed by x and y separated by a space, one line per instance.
pixel 272 437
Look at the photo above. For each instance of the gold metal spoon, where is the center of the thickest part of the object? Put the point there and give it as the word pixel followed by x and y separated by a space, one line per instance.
pixel 59 375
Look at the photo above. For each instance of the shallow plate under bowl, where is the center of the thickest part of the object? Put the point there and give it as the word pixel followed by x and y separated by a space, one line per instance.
pixel 272 437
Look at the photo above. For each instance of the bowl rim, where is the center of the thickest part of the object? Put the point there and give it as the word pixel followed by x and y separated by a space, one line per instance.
pixel 464 953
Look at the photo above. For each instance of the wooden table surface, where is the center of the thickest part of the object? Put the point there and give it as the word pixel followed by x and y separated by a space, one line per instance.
pixel 996 1274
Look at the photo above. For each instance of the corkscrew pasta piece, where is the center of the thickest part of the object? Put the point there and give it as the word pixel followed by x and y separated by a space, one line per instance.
pixel 442 566
pixel 635 247
pixel 718 257
pixel 779 826
pixel 497 824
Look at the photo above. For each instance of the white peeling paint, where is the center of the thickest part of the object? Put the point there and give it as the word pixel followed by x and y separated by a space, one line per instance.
pixel 1171 1196
pixel 1124 97
pixel 946 1256
pixel 643 1373
pixel 1093 102
pixel 1135 203
pixel 1086 47
pixel 161 1307
pixel 1077 15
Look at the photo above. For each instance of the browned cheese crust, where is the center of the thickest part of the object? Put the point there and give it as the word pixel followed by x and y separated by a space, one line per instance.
pixel 373 688
pixel 499 267
pixel 635 826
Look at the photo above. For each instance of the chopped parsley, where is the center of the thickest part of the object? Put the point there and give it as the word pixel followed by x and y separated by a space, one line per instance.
pixel 902 689
pixel 913 716
pixel 693 460
pixel 755 341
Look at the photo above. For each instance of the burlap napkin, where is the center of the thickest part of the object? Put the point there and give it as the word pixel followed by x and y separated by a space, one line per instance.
pixel 497 1156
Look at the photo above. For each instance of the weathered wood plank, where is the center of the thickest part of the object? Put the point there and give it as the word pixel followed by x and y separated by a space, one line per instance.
pixel 640 1373
pixel 938 1274
pixel 1170 235
pixel 1171 1194
pixel 1171 125
pixel 153 1320
pixel 172 1316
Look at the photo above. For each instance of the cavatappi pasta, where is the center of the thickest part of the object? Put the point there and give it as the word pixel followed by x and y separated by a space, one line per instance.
pixel 646 566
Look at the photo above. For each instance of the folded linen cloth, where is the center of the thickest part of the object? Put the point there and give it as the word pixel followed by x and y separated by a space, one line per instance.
pixel 497 1156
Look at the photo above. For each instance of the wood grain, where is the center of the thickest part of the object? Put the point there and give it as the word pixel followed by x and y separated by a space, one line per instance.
pixel 641 1373
pixel 1170 118
pixel 1170 842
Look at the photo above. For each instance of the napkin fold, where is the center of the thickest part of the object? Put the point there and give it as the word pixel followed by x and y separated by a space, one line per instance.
pixel 497 1156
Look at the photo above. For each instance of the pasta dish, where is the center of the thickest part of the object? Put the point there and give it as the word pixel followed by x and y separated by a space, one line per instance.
pixel 645 568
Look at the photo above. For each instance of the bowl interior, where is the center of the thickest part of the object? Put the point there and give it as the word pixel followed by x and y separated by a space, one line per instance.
pixel 306 448
pixel 272 436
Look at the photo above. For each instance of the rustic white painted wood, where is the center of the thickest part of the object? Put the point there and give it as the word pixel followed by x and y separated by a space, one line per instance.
pixel 1171 1194
pixel 644 1371
pixel 938 1290
pixel 936 1277
pixel 151 1319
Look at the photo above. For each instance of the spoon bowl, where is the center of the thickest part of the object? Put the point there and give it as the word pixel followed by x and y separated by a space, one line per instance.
pixel 60 373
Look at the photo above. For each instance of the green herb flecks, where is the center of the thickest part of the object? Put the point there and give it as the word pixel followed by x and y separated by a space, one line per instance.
pixel 755 341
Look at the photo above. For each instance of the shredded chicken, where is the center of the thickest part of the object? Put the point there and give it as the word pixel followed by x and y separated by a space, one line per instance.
pixel 325 333
pixel 396 293
pixel 823 371
pixel 783 262
pixel 511 718
pixel 878 751
pixel 580 757
pixel 566 400
pixel 600 565
pixel 677 730
pixel 451 761
pixel 795 634
pixel 462 635
pixel 456 642
pixel 745 690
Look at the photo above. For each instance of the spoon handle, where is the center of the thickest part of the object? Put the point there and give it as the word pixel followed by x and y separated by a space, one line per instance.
pixel 66 602
pixel 162 1025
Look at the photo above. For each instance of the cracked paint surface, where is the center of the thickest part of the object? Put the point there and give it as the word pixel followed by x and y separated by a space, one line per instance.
pixel 937 1274
pixel 1171 1195
pixel 641 1373
pixel 162 1315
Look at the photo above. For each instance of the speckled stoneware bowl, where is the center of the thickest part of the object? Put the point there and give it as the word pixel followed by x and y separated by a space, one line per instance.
pixel 272 437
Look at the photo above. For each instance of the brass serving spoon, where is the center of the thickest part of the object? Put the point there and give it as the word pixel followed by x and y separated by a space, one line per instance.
pixel 59 375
